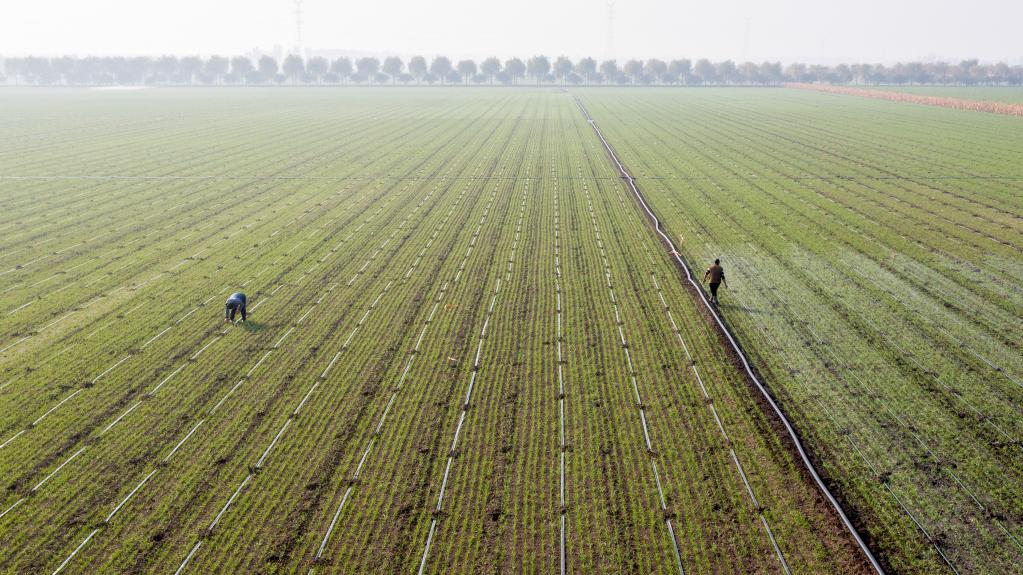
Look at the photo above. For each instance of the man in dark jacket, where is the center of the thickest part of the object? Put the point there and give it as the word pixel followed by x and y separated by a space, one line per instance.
pixel 235 303
pixel 716 275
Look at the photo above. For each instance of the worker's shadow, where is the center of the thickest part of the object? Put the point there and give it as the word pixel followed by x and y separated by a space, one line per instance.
pixel 251 326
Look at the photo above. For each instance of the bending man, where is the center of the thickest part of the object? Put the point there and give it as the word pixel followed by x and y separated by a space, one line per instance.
pixel 235 303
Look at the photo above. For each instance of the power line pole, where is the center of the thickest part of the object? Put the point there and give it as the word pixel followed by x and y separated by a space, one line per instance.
pixel 745 42
pixel 299 48
pixel 609 48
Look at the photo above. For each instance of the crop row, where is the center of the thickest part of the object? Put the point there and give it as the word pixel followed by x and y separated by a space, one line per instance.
pixel 227 249
pixel 246 254
pixel 363 268
pixel 858 296
pixel 469 360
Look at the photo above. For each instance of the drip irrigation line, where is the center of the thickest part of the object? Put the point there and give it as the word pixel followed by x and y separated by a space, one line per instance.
pixel 733 343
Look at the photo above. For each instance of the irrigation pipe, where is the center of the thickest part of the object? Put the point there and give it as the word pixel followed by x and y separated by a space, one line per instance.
pixel 734 344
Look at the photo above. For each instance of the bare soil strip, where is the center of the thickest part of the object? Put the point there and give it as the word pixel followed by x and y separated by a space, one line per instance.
pixel 989 106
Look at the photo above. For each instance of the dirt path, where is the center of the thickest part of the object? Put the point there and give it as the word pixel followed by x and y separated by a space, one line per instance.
pixel 992 107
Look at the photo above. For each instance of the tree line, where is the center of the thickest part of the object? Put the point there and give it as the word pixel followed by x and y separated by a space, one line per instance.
pixel 295 70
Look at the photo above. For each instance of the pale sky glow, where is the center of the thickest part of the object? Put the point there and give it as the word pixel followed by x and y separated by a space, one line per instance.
pixel 808 30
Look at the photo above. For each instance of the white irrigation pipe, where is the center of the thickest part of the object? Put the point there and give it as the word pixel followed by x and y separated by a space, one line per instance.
pixel 52 409
pixel 15 343
pixel 120 417
pixel 12 507
pixel 130 495
pixel 101 256
pixel 710 405
pixel 89 240
pixel 122 287
pixel 561 384
pixel 908 429
pixel 635 386
pixel 383 416
pixel 116 229
pixel 994 367
pixel 294 413
pixel 75 552
pixel 183 440
pixel 472 380
pixel 887 487
pixel 191 553
pixel 807 463
pixel 405 371
pixel 11 438
pixel 59 467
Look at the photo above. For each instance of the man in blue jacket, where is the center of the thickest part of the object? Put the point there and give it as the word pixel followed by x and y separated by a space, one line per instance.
pixel 235 303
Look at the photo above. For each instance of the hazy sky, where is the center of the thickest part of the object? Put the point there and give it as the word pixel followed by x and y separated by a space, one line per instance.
pixel 809 30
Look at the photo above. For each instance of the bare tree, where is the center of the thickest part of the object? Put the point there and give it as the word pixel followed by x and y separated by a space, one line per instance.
pixel 681 69
pixel 368 67
pixel 241 68
pixel 727 72
pixel 216 67
pixel 749 73
pixel 293 67
pixel 609 68
pixel 770 72
pixel 796 72
pixel 656 68
pixel 562 68
pixel 538 67
pixel 317 67
pixel 13 68
pixel 342 67
pixel 417 68
pixel 842 74
pixel 587 68
pixel 491 67
pixel 189 67
pixel 466 69
pixel 704 71
pixel 64 67
pixel 392 67
pixel 515 69
pixel 633 69
pixel 938 69
pixel 267 68
pixel 441 67
pixel 142 67
pixel 166 67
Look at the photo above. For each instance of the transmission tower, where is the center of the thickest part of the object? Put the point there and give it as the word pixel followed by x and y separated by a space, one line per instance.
pixel 745 42
pixel 299 48
pixel 609 48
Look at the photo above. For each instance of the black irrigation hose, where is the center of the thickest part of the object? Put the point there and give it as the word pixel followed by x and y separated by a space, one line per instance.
pixel 734 344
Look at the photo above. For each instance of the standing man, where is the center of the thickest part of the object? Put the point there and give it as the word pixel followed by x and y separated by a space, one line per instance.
pixel 716 275
pixel 235 303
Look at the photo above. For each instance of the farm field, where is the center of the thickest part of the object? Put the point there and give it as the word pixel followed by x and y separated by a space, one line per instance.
pixel 873 253
pixel 466 351
pixel 1012 95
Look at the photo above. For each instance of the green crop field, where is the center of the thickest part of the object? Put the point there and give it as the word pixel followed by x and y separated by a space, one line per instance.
pixel 1012 95
pixel 874 251
pixel 468 351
